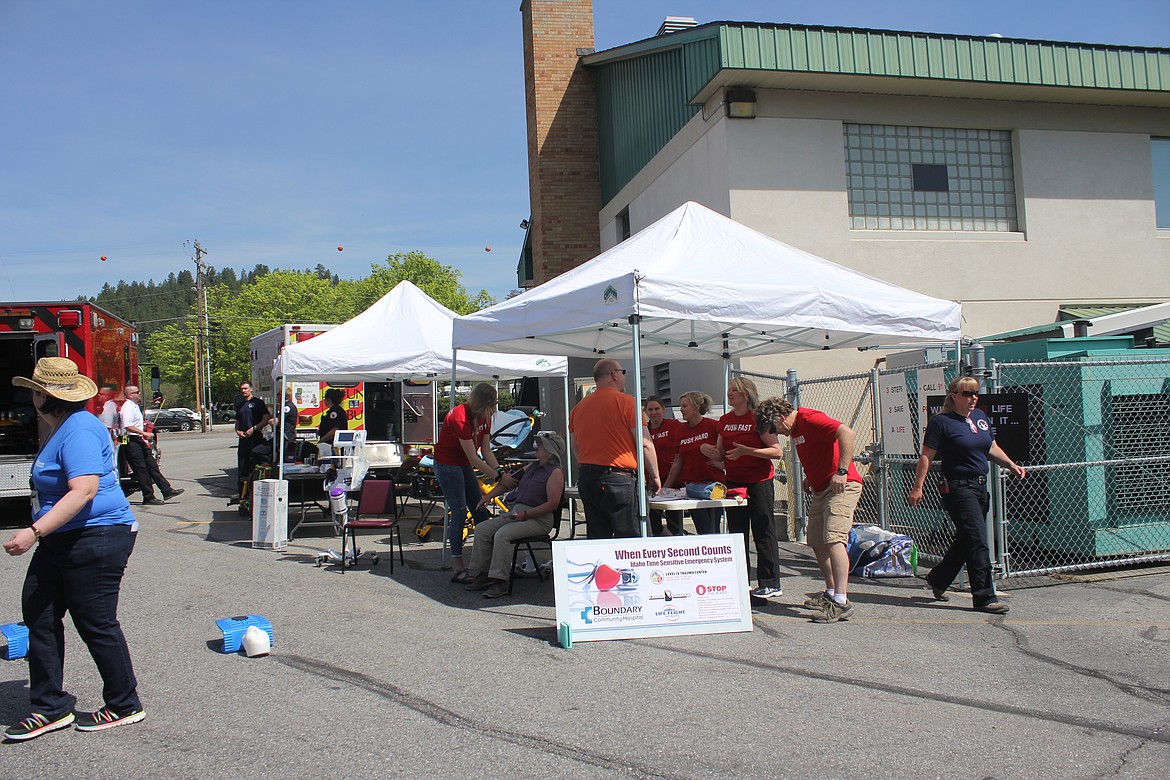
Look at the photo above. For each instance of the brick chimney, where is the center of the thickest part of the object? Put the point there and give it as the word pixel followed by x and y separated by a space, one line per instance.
pixel 563 183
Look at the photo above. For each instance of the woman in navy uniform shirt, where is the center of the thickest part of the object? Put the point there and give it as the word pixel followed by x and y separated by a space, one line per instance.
pixel 961 438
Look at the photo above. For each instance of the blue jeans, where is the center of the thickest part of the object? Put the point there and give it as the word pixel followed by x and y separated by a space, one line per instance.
pixel 611 505
pixel 79 572
pixel 674 522
pixel 757 517
pixel 459 487
pixel 967 504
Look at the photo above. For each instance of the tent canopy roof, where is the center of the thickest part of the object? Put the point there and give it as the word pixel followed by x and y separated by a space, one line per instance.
pixel 698 279
pixel 406 334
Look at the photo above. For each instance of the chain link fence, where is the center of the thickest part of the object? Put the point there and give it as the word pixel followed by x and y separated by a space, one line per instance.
pixel 1093 434
pixel 848 398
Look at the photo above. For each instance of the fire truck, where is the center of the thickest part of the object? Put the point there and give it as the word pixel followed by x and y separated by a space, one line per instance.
pixel 104 347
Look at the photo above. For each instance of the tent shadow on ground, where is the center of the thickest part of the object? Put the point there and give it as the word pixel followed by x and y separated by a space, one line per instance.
pixel 422 571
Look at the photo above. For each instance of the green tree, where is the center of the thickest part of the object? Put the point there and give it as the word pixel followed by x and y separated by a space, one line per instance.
pixel 244 304
pixel 439 281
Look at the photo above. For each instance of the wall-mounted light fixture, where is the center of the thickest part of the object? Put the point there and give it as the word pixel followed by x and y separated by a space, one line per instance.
pixel 523 224
pixel 741 103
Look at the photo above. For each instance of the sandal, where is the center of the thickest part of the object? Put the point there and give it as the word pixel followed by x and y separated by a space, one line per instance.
pixel 462 577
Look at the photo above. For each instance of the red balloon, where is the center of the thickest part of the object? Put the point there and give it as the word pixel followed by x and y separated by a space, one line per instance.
pixel 487 249
pixel 340 248
pixel 103 258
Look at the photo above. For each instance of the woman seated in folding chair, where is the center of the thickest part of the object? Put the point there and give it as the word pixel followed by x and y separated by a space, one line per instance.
pixel 535 506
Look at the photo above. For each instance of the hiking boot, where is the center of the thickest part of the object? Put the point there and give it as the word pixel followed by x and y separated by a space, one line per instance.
pixel 480 582
pixel 105 718
pixel 994 607
pixel 496 589
pixel 817 600
pixel 767 592
pixel 832 612
pixel 174 493
pixel 35 725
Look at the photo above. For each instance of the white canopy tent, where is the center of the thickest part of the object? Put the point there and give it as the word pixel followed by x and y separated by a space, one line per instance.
pixel 697 285
pixel 406 334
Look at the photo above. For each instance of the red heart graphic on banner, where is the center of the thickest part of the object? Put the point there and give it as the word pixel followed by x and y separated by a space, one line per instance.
pixel 606 578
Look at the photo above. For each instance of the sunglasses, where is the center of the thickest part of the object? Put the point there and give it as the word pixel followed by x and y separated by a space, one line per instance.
pixel 621 371
pixel 969 393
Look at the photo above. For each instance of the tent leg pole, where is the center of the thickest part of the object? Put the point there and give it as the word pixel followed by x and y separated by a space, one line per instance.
pixel 446 514
pixel 640 485
pixel 279 437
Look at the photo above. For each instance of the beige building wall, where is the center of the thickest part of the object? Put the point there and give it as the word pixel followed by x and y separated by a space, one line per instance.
pixel 1084 190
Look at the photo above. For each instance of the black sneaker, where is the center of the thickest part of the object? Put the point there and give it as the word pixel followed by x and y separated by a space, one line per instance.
pixel 153 501
pixel 767 592
pixel 35 725
pixel 105 718
pixel 173 493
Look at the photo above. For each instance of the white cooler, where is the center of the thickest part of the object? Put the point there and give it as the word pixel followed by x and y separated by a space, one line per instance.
pixel 270 514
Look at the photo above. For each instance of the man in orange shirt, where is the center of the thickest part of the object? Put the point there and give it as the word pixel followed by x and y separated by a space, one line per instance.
pixel 606 427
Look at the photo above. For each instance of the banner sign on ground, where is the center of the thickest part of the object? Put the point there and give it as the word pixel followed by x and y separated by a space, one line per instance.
pixel 645 587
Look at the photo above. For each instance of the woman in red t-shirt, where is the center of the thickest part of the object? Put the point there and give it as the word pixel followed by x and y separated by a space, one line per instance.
pixel 664 431
pixel 463 443
pixel 690 464
pixel 747 456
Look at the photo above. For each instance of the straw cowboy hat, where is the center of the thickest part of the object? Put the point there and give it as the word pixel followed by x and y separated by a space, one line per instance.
pixel 58 377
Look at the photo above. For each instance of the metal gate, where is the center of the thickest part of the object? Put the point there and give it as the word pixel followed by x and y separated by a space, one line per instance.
pixel 1098 487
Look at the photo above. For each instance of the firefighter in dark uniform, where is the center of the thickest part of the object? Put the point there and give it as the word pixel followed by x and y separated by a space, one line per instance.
pixel 333 419
pixel 251 418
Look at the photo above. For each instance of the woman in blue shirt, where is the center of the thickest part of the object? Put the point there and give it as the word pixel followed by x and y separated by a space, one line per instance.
pixel 961 438
pixel 83 531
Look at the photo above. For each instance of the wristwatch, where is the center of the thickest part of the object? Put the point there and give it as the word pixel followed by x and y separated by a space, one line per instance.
pixel 842 472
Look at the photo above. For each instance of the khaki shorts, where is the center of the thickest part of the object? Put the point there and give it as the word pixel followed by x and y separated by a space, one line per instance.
pixel 830 515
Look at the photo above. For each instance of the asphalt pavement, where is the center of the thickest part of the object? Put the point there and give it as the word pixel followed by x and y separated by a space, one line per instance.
pixel 411 676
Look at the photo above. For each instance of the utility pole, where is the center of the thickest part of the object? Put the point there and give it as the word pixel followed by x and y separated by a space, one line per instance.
pixel 204 331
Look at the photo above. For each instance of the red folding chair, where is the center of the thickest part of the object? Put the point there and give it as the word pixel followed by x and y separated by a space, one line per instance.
pixel 377 508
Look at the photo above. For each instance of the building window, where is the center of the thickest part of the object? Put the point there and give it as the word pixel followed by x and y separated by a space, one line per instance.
pixel 623 225
pixel 930 178
pixel 1160 149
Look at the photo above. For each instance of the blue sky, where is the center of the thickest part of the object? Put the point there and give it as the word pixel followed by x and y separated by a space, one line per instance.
pixel 274 132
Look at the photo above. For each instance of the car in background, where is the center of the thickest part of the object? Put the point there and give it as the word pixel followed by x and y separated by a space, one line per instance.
pixel 184 410
pixel 171 420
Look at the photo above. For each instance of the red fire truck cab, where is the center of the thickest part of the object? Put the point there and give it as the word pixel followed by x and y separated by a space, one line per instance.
pixel 104 347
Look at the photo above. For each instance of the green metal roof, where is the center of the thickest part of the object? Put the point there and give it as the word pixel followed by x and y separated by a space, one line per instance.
pixel 1161 332
pixel 1068 314
pixel 647 90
